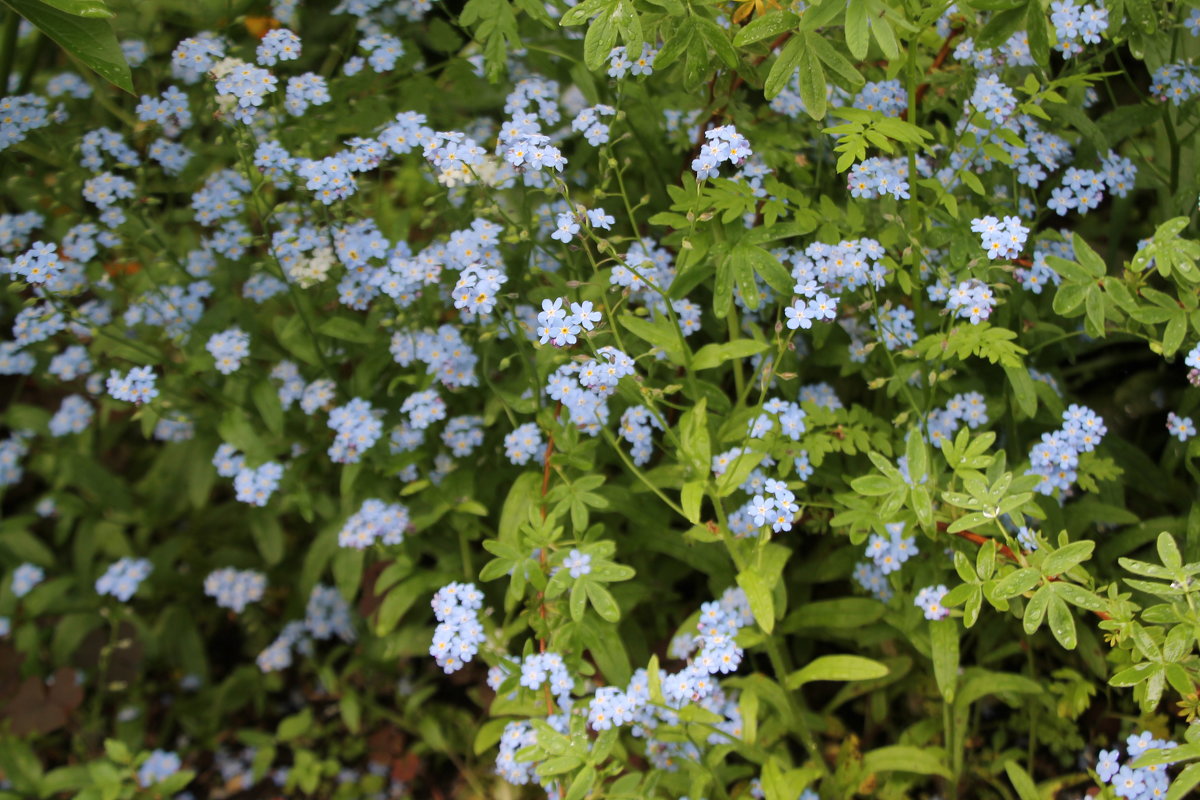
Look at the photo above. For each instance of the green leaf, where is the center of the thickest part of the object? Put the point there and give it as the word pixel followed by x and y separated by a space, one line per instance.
pixel 1093 304
pixel 676 45
pixel 1168 551
pixel 1021 781
pixel 769 26
pixel 266 400
pixel 351 710
pixel 1088 258
pixel 914 451
pixel 578 600
pixel 598 41
pixel 87 38
pixel 736 473
pixel 694 439
pixel 760 595
pixel 1134 675
pixel 83 8
pixel 268 537
pixel 857 30
pixel 1062 623
pixel 295 726
pixel 1001 26
pixel 1078 596
pixel 784 68
pixel 689 498
pixel 836 668
pixel 881 29
pixel 903 758
pixel 713 355
pixel 1035 609
pixel 1017 582
pixel 117 750
pixel 943 645
pixel 346 329
pixel 812 77
pixel 1184 782
pixel 874 485
pixel 602 600
pixel 1065 558
pixel 748 258
pixel 659 333
pixel 717 38
pixel 1022 388
pixel 837 63
pixel 843 612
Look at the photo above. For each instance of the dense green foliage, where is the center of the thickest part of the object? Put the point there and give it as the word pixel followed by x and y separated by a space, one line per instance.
pixel 849 455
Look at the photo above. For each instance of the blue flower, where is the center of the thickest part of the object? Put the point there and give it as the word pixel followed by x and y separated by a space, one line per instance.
pixel 567 228
pixel 577 563
pixel 25 577
pixel 158 767
pixel 1180 427
pixel 279 44
pixel 233 589
pixel 122 578
pixel 929 600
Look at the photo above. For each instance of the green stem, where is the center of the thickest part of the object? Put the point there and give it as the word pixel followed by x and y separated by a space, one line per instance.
pixel 779 660
pixel 1173 141
pixel 608 437
pixel 292 293
pixel 8 47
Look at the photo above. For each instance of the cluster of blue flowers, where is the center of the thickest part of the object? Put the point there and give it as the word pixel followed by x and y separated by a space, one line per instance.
pixel 1056 457
pixel 161 765
pixel 1040 274
pixel 1076 26
pixel 466 269
pixel 243 88
pixel 929 600
pixel 887 97
pixel 229 348
pixel 887 555
pixel 459 633
pixel 233 588
pixel 582 388
pixel 375 521
pixel 255 485
pixel 971 300
pixel 25 577
pixel 964 407
pixel 875 177
pixel 37 265
pixel 326 615
pixel 20 114
pixel 357 426
pixel 73 416
pixel 517 735
pixel 122 578
pixel 280 44
pixel 1143 783
pixel 525 442
pixel 1001 238
pixel 637 427
pixel 1176 82
pixel 620 63
pixel 723 144
pixel 588 122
